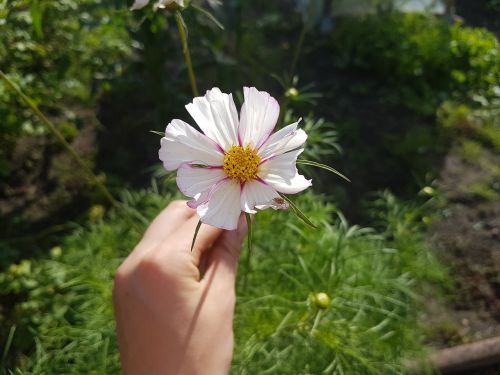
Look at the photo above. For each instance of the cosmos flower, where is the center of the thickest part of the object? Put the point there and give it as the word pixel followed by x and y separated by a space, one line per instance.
pixel 139 4
pixel 238 164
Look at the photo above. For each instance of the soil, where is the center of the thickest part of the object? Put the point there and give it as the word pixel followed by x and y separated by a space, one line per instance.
pixel 45 188
pixel 468 240
pixel 467 237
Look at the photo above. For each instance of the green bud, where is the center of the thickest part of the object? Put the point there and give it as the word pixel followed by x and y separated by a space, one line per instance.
pixel 174 6
pixel 322 300
pixel 428 190
pixel 292 92
pixel 56 252
pixel 96 212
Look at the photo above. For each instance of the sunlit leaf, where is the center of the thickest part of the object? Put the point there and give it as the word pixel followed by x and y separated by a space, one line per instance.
pixel 161 134
pixel 209 15
pixel 298 212
pixel 323 166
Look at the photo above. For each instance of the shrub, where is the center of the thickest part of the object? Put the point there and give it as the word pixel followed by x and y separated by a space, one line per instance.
pixel 423 58
pixel 55 51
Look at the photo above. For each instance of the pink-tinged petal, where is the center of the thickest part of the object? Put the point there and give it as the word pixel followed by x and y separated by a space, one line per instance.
pixel 139 4
pixel 216 115
pixel 183 144
pixel 257 194
pixel 280 172
pixel 259 114
pixel 223 209
pixel 193 180
pixel 284 140
pixel 276 204
pixel 285 164
pixel 205 196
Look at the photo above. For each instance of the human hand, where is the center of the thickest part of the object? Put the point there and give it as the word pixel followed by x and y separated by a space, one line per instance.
pixel 169 320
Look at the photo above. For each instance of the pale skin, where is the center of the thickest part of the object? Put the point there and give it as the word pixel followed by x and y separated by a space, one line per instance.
pixel 174 308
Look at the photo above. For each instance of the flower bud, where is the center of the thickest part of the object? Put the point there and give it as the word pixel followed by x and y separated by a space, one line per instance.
pixel 292 92
pixel 428 190
pixel 171 5
pixel 96 213
pixel 56 252
pixel 322 300
pixel 426 220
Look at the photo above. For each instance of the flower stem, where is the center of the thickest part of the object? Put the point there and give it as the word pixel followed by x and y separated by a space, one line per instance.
pixel 186 53
pixel 291 72
pixel 60 138
pixel 296 54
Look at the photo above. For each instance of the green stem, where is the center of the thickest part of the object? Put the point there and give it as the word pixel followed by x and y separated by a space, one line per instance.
pixel 248 265
pixel 60 138
pixel 185 51
pixel 8 344
pixel 291 72
pixel 296 54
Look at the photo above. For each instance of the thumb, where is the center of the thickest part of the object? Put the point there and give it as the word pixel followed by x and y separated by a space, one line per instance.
pixel 223 262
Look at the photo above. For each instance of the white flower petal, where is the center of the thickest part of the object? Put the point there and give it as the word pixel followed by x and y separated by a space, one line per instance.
pixel 139 4
pixel 204 197
pixel 223 208
pixel 281 173
pixel 259 114
pixel 284 140
pixel 283 164
pixel 216 115
pixel 292 185
pixel 276 204
pixel 194 180
pixel 183 144
pixel 257 194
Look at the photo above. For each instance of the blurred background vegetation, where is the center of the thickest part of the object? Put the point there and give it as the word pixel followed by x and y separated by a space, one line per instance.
pixel 401 96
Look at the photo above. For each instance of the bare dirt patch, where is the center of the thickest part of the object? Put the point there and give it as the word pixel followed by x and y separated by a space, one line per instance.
pixel 468 239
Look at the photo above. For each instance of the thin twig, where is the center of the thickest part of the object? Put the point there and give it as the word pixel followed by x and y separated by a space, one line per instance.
pixel 186 53
pixel 60 138
pixel 296 54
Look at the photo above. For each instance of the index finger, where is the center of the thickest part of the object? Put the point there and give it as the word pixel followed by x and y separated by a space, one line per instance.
pixel 168 221
pixel 182 239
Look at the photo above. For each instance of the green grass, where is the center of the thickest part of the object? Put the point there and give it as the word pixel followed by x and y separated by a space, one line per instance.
pixel 365 325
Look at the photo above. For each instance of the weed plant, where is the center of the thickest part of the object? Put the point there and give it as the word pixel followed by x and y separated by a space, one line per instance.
pixel 64 50
pixel 336 300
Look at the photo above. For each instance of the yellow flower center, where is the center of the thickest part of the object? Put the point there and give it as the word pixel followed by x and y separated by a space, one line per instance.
pixel 241 163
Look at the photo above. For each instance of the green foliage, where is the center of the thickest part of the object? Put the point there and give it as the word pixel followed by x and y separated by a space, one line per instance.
pixel 403 224
pixel 422 58
pixel 56 51
pixel 484 185
pixel 339 298
pixel 322 138
pixel 286 330
pixel 481 123
pixel 454 115
pixel 62 304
